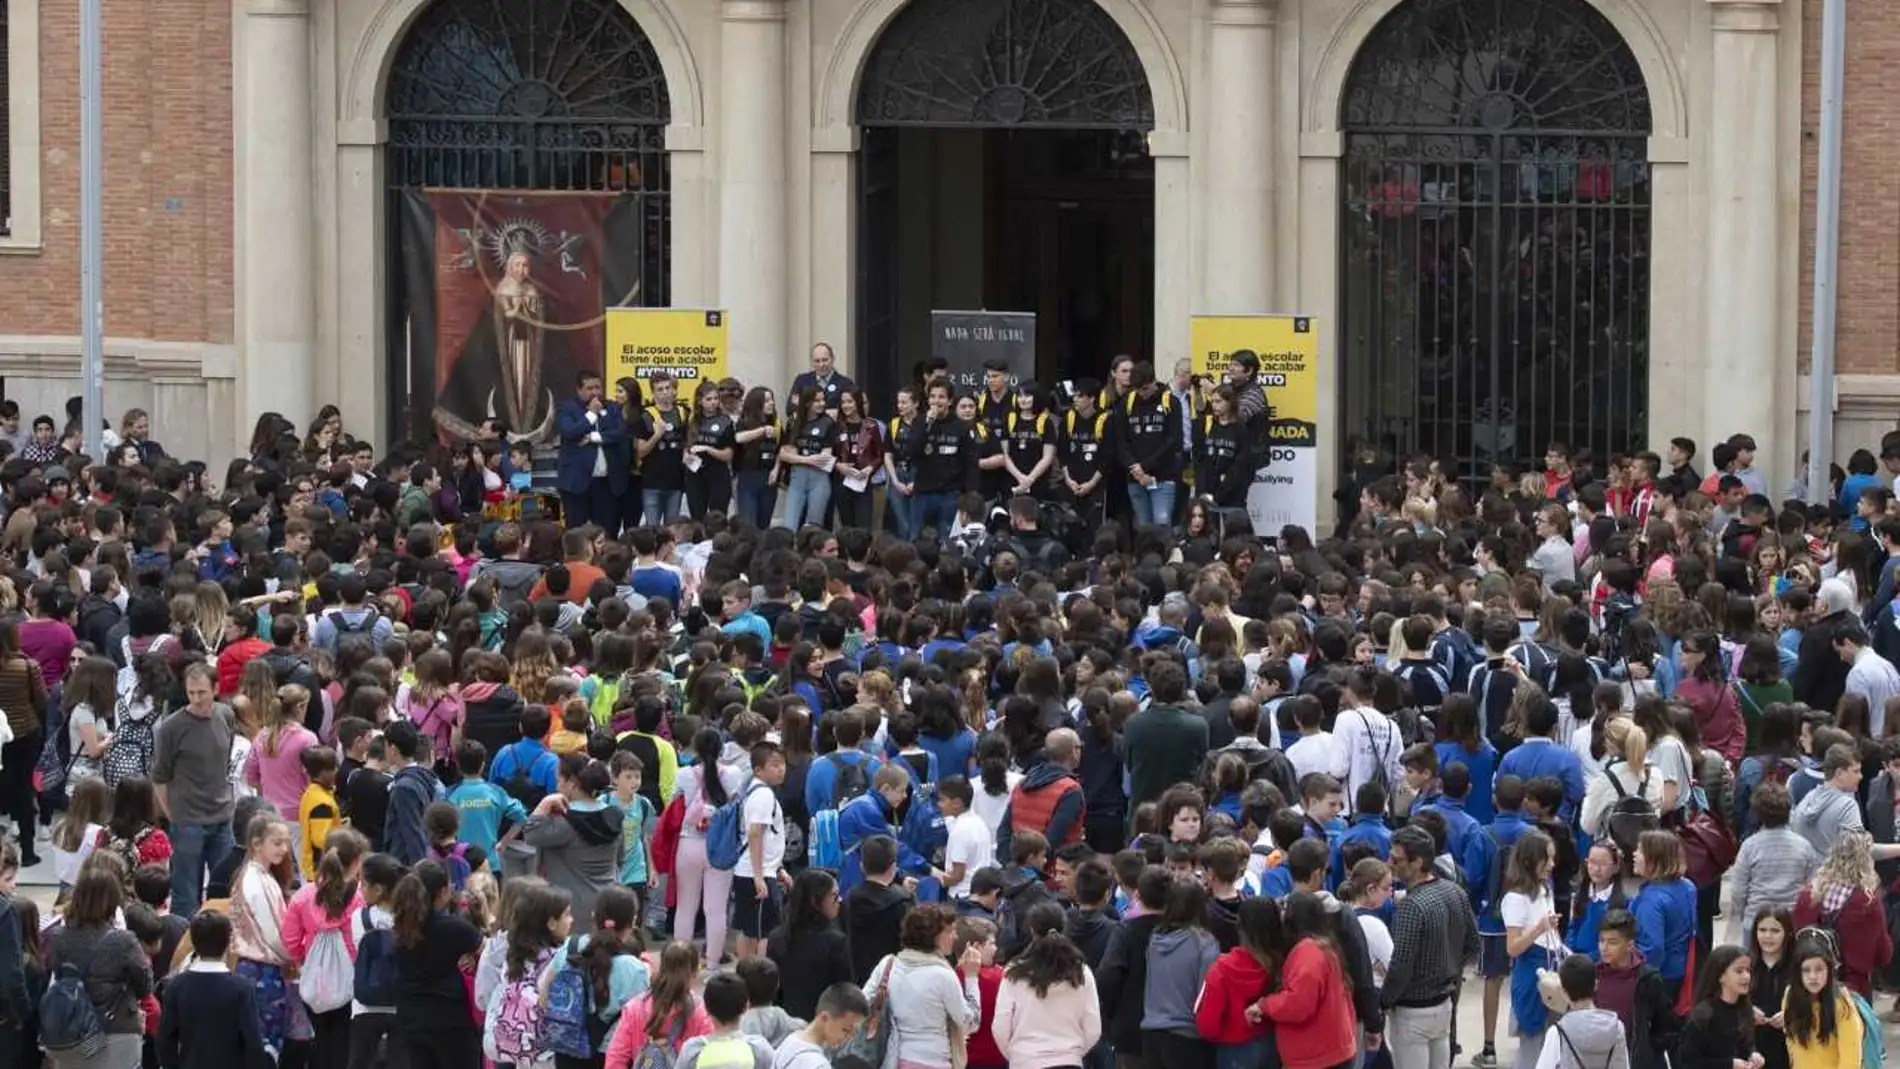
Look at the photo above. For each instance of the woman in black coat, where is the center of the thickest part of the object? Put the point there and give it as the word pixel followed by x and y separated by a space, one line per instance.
pixel 808 947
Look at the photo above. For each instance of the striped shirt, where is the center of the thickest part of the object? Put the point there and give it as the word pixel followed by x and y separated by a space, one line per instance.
pixel 1433 937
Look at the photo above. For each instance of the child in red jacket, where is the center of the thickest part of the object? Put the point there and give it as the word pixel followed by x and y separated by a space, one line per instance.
pixel 1238 981
pixel 980 933
pixel 1312 1012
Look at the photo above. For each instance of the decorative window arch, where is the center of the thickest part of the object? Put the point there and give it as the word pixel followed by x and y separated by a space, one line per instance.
pixel 1495 233
pixel 555 94
pixel 1006 63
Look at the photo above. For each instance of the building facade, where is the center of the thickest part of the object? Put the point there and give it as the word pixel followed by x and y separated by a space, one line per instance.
pixel 1514 220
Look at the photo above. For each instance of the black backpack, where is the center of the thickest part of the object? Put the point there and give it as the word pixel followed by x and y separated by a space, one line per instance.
pixel 363 626
pixel 69 1022
pixel 849 781
pixel 1631 814
pixel 375 965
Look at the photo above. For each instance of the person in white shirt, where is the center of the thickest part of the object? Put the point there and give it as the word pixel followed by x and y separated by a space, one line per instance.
pixel 1868 674
pixel 1364 739
pixel 759 880
pixel 1314 751
pixel 971 845
pixel 1533 934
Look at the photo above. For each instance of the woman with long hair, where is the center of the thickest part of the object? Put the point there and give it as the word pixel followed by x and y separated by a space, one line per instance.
pixel 808 944
pixel 1845 896
pixel 756 468
pixel 134 832
pixel 934 1004
pixel 1312 1011
pixel 1047 1011
pixel 275 767
pixel 1705 688
pixel 116 970
pixel 995 780
pixel 432 1001
pixel 1236 982
pixel 1625 773
pixel 667 1013
pixel 899 472
pixel 711 437
pixel 80 830
pixel 328 904
pixel 1719 1032
pixel 609 958
pixel 859 447
pixel 88 699
pixel 1105 805
pixel 1823 1025
pixel 1533 937
pixel 1771 958
pixel 258 901
pixel 705 785
pixel 808 451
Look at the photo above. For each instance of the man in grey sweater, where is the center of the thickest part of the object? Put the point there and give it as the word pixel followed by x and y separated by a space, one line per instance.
pixel 1831 808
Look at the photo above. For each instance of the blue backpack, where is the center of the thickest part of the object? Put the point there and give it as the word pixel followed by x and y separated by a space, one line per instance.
pixel 69 1023
pixel 375 965
pixel 725 832
pixel 826 850
pixel 1873 1045
pixel 567 1025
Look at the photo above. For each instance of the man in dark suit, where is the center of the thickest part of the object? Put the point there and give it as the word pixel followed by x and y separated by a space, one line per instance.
pixel 824 375
pixel 594 462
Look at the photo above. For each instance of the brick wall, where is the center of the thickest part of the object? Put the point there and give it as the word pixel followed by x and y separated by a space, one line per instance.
pixel 1868 336
pixel 168 171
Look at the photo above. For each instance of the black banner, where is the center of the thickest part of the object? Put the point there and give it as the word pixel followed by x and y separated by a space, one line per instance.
pixel 966 339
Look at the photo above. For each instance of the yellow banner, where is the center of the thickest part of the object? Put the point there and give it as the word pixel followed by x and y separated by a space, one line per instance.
pixel 1286 488
pixel 686 343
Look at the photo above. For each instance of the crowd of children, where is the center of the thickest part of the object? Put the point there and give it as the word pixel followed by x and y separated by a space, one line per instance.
pixel 334 777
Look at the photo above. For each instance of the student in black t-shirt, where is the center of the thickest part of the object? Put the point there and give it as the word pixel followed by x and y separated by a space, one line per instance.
pixel 431 943
pixel 714 442
pixel 660 441
pixel 807 456
pixel 364 790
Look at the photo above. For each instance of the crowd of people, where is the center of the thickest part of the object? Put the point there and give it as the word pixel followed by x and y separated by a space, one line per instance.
pixel 1004 742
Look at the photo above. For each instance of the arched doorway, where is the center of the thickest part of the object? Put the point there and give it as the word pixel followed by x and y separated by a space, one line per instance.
pixel 1004 166
pixel 1495 267
pixel 519 134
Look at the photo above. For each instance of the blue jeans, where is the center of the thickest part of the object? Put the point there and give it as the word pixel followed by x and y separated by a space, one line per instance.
pixel 1153 507
pixel 1258 1054
pixel 903 513
pixel 660 507
pixel 938 511
pixel 754 498
pixel 196 850
pixel 806 496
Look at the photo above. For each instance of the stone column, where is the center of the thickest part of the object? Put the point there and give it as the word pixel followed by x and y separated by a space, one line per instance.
pixel 1238 217
pixel 753 229
pixel 276 218
pixel 1744 253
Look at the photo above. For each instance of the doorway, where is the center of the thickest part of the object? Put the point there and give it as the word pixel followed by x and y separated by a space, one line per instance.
pixel 1059 222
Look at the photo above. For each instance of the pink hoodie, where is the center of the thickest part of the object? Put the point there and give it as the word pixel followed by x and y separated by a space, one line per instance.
pixel 304 920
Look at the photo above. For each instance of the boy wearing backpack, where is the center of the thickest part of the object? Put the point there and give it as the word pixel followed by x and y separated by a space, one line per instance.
pixel 726 1047
pixel 210 1016
pixel 527 769
pixel 1493 963
pixel 870 814
pixel 844 774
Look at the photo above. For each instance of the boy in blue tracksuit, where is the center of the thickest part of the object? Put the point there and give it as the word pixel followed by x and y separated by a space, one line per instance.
pixel 1541 755
pixel 870 814
pixel 1464 836
pixel 1494 964
pixel 1368 826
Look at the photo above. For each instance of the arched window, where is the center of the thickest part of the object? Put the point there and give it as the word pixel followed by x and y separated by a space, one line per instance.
pixel 1496 226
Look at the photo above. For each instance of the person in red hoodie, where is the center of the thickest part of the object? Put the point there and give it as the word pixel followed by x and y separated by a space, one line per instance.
pixel 241 645
pixel 1845 897
pixel 1312 1012
pixel 1239 980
